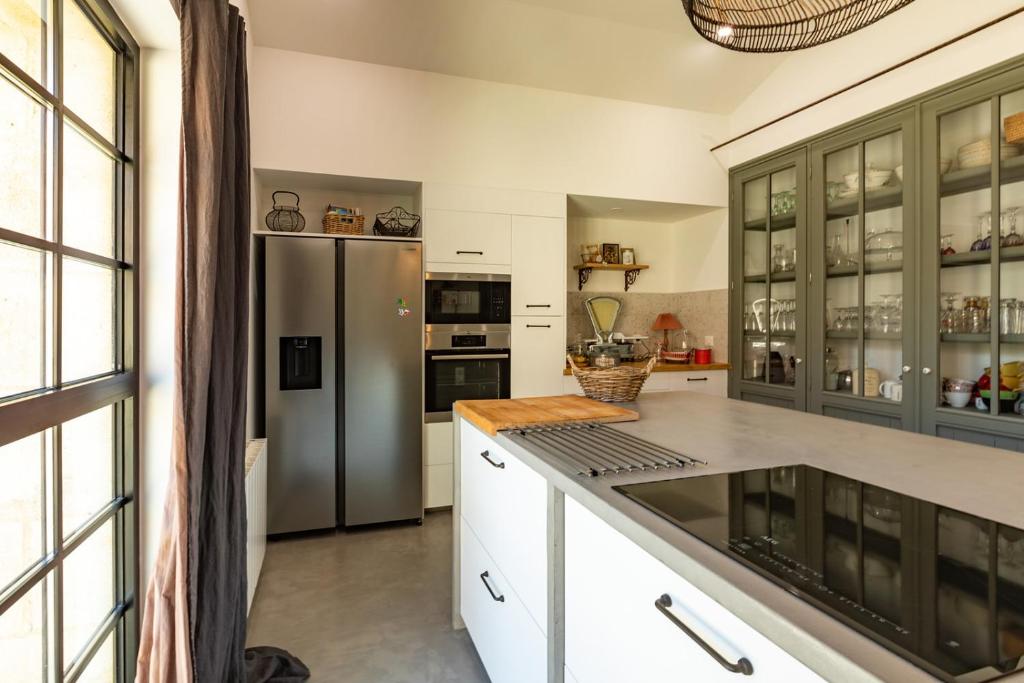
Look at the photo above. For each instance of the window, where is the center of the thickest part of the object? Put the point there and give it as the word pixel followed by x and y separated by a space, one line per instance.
pixel 68 287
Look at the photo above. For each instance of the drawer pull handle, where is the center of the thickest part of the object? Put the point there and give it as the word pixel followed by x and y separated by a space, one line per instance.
pixel 487 585
pixel 538 305
pixel 478 253
pixel 486 455
pixel 545 326
pixel 743 666
pixel 696 379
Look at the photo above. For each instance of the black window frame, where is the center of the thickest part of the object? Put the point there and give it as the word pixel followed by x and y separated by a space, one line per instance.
pixel 46 408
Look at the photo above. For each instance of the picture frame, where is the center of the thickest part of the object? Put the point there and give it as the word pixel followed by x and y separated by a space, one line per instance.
pixel 628 256
pixel 610 253
pixel 591 253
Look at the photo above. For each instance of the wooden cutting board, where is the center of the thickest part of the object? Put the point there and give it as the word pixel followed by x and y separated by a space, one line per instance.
pixel 492 416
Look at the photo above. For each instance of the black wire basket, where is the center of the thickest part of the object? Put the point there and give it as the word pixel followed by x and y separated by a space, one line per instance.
pixel 396 223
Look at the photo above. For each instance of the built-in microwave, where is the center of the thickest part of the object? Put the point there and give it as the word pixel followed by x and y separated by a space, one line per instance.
pixel 464 363
pixel 467 299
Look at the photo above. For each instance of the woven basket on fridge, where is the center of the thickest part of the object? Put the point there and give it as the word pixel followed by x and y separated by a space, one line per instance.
pixel 1014 128
pixel 612 385
pixel 336 224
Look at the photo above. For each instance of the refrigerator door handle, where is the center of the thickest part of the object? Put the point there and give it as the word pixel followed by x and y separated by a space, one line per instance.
pixel 473 356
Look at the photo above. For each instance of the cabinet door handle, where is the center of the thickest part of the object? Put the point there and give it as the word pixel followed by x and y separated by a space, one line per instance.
pixel 486 455
pixel 743 666
pixel 497 597
pixel 696 379
pixel 926 371
pixel 538 305
pixel 547 326
pixel 478 253
pixel 907 368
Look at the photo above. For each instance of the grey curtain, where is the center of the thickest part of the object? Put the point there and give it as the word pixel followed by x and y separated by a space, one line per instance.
pixel 194 621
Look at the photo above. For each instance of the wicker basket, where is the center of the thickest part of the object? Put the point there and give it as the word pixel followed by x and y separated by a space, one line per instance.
pixel 1014 126
pixel 612 385
pixel 336 224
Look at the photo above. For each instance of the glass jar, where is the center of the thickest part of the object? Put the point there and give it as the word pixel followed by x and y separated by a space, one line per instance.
pixel 1008 316
pixel 974 320
pixel 831 369
pixel 986 314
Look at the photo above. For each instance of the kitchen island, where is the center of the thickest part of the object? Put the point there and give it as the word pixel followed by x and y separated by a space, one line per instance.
pixel 558 576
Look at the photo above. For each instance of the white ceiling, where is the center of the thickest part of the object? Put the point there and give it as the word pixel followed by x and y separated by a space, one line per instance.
pixel 635 50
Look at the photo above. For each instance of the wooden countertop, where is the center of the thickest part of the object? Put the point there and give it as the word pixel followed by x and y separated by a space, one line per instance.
pixel 669 367
pixel 492 416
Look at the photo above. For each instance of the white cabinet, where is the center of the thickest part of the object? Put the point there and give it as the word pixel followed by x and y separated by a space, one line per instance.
pixel 467 238
pixel 538 355
pixel 505 502
pixel 538 266
pixel 711 382
pixel 614 632
pixel 437 465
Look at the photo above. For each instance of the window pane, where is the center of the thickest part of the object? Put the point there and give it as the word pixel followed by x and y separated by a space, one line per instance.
pixel 88 590
pixel 22 139
pixel 22 505
pixel 88 71
pixel 88 320
pixel 24 319
pixel 88 207
pixel 87 466
pixel 23 638
pixel 23 35
pixel 101 666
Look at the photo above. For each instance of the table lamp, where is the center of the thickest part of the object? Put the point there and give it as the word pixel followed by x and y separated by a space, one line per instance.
pixel 663 323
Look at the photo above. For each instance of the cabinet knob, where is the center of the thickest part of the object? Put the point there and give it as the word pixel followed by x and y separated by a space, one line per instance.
pixel 799 361
pixel 907 368
pixel 926 371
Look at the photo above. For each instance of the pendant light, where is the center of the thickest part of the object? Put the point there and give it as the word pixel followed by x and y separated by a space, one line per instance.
pixel 783 25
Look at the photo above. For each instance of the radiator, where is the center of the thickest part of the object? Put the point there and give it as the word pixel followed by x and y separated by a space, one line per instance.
pixel 255 513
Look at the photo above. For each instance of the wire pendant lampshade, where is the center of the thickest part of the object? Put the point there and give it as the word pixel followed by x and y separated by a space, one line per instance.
pixel 783 25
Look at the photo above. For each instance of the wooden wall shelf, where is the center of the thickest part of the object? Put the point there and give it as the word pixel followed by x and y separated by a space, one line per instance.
pixel 630 272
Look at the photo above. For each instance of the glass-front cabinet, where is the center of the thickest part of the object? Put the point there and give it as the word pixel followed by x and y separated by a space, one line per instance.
pixel 768 312
pixel 863 301
pixel 973 234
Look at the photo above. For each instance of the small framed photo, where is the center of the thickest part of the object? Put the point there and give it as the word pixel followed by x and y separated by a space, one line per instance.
pixel 628 255
pixel 610 252
pixel 592 253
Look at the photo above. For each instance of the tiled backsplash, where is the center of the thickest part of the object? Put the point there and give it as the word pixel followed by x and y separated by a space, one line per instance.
pixel 702 313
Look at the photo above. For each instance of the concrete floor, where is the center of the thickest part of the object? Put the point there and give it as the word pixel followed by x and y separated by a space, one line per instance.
pixel 371 606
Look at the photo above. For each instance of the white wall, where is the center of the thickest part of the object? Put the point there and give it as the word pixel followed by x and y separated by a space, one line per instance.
pixel 326 115
pixel 810 74
pixel 701 249
pixel 161 121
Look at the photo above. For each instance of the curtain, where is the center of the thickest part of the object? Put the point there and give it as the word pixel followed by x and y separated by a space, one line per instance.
pixel 194 618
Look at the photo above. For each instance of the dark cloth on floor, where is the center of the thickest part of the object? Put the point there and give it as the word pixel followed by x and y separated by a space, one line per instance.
pixel 273 665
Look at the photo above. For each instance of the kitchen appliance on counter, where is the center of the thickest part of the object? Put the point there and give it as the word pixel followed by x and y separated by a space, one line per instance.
pixel 940 587
pixel 467 337
pixel 603 312
pixel 344 368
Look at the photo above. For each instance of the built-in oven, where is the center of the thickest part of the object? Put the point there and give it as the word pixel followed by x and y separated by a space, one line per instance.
pixel 467 299
pixel 464 362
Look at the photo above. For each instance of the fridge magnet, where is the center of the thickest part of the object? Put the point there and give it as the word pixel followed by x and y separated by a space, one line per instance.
pixel 403 308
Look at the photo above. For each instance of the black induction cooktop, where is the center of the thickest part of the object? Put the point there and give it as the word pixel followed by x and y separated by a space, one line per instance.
pixel 940 587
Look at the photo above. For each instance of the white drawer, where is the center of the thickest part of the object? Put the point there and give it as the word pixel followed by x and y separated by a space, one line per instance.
pixel 658 381
pixel 511 646
pixel 467 237
pixel 712 382
pixel 505 502
pixel 611 586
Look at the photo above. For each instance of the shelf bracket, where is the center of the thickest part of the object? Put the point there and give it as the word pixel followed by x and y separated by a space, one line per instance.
pixel 630 277
pixel 584 275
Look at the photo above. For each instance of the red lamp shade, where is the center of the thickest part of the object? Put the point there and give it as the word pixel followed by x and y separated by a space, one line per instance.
pixel 665 322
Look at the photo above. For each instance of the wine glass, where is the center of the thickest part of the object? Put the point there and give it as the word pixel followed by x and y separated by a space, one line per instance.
pixel 947 245
pixel 948 322
pixel 1013 238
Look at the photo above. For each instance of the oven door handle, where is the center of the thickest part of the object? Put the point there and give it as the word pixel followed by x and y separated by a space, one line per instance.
pixel 473 356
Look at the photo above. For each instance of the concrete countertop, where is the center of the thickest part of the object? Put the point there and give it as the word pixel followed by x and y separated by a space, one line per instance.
pixel 732 436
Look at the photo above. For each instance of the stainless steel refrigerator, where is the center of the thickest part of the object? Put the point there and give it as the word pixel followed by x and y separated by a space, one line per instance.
pixel 344 373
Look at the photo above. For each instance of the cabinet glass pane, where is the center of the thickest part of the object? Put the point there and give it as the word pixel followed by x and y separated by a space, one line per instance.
pixel 965 249
pixel 23 35
pixel 87 466
pixel 88 320
pixel 756 310
pixel 89 71
pixel 23 637
pixel 23 141
pixel 88 209
pixel 88 588
pixel 883 267
pixel 842 263
pixel 782 290
pixel 25 308
pixel 1010 318
pixel 23 505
